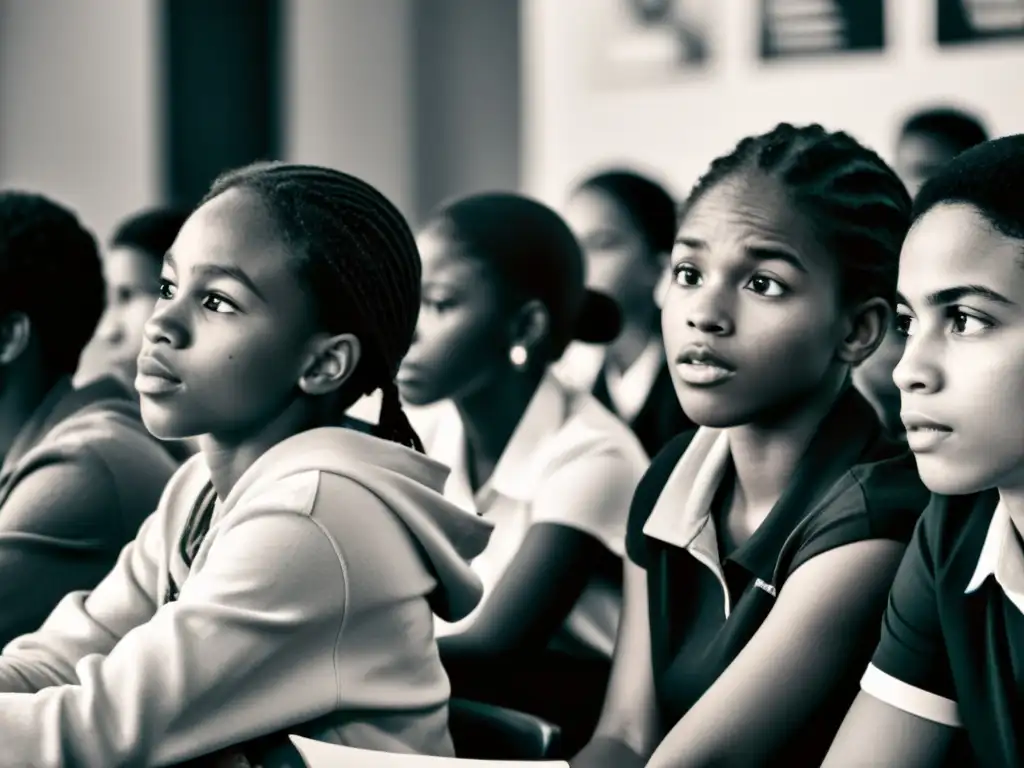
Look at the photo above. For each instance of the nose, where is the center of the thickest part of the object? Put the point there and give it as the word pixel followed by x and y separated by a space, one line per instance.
pixel 165 326
pixel 918 370
pixel 110 329
pixel 707 313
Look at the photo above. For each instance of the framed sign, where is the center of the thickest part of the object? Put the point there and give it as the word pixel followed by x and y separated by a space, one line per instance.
pixel 801 28
pixel 637 42
pixel 978 21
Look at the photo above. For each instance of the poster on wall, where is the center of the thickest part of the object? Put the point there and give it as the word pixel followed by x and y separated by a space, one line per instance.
pixel 804 28
pixel 979 21
pixel 644 42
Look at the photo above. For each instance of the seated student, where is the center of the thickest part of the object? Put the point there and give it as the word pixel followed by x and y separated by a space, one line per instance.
pixel 79 473
pixel 503 294
pixel 927 141
pixel 131 271
pixel 762 547
pixel 949 660
pixel 288 577
pixel 626 224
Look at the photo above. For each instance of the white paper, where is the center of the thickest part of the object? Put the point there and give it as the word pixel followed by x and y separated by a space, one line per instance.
pixel 317 754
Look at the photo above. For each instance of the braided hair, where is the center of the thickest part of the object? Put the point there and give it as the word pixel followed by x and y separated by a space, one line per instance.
pixel 647 204
pixel 856 203
pixel 358 258
pixel 50 269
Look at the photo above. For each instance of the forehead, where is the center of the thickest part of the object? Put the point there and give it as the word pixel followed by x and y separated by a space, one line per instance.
pixel 589 209
pixel 129 266
pixel 752 208
pixel 444 259
pixel 954 245
pixel 923 149
pixel 232 229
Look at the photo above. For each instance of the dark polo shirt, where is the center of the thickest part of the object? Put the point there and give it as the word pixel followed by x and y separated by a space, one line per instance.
pixel 853 484
pixel 952 644
pixel 77 483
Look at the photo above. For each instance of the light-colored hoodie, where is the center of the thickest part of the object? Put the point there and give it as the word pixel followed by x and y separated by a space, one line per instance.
pixel 312 593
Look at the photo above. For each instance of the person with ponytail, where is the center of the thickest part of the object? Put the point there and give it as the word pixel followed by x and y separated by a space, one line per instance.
pixel 626 224
pixel 762 546
pixel 503 295
pixel 288 579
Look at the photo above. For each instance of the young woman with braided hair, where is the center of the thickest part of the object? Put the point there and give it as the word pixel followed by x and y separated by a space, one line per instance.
pixel 762 546
pixel 290 574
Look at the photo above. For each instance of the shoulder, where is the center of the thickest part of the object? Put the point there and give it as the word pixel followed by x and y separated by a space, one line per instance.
pixel 883 498
pixel 591 429
pixel 111 433
pixel 648 490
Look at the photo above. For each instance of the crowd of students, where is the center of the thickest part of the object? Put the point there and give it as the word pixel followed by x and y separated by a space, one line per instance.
pixel 725 483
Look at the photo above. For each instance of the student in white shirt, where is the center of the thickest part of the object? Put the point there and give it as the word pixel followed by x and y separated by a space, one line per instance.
pixel 288 579
pixel 503 294
pixel 626 224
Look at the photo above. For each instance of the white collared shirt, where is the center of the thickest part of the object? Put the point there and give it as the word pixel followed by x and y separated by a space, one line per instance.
pixel 569 461
pixel 629 389
pixel 1001 557
pixel 581 365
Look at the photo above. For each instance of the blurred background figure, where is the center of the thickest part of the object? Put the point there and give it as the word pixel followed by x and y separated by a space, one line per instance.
pixel 626 224
pixel 930 138
pixel 131 268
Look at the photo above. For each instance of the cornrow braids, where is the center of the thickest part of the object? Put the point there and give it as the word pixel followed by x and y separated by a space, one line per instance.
pixel 359 258
pixel 858 206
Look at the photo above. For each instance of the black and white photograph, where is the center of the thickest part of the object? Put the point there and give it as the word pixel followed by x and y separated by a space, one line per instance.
pixel 508 383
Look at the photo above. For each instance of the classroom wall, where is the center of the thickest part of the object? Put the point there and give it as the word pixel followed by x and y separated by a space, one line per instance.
pixel 674 126
pixel 348 96
pixel 78 111
pixel 420 97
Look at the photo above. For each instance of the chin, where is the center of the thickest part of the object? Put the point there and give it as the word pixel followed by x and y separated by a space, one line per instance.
pixel 951 479
pixel 161 423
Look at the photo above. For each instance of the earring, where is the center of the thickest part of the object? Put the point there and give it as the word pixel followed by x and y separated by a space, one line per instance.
pixel 518 356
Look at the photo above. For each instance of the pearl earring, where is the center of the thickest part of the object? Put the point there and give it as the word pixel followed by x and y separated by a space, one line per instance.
pixel 518 356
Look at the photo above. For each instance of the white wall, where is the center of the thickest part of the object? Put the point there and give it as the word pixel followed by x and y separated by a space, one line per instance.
pixel 78 113
pixel 349 90
pixel 677 127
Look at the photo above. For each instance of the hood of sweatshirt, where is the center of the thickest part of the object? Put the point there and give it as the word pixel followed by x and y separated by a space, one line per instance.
pixel 409 483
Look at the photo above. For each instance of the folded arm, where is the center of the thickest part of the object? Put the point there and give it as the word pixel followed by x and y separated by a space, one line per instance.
pixel 190 680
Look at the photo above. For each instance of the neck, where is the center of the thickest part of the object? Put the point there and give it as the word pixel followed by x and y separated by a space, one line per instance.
pixel 21 394
pixel 229 456
pixel 766 456
pixel 637 333
pixel 490 416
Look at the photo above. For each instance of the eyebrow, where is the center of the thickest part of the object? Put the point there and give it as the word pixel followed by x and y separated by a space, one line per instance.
pixel 755 253
pixel 222 270
pixel 958 293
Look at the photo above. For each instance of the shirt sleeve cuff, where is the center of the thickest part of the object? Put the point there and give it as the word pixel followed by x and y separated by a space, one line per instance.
pixel 909 698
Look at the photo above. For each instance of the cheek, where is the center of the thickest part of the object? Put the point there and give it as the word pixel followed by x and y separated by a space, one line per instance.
pixel 136 315
pixel 454 342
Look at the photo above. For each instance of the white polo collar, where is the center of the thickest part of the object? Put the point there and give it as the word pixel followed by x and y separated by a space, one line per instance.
pixel 524 458
pixel 1002 558
pixel 681 516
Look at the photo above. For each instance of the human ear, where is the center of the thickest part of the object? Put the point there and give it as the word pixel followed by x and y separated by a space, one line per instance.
pixel 330 364
pixel 865 327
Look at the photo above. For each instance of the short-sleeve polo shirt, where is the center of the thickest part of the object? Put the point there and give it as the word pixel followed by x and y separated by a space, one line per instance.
pixel 853 484
pixel 569 461
pixel 952 644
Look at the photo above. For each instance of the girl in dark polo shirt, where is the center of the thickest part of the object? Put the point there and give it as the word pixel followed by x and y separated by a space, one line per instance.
pixel 949 663
pixel 762 546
